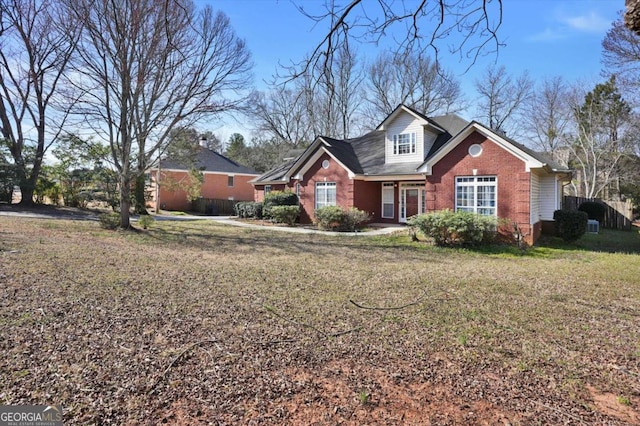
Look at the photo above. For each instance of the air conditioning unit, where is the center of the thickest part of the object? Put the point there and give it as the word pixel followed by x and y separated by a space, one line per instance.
pixel 593 226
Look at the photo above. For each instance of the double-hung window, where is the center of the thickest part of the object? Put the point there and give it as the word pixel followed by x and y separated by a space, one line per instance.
pixel 387 200
pixel 404 143
pixel 325 194
pixel 477 194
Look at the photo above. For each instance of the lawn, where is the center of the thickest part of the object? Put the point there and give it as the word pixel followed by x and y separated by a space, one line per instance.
pixel 194 322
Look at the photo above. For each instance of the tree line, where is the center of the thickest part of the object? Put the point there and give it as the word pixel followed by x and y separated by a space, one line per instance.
pixel 138 77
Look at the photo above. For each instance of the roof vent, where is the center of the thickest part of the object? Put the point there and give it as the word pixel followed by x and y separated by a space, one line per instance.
pixel 203 141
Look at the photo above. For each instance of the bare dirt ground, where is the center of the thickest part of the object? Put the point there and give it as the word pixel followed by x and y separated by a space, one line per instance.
pixel 199 323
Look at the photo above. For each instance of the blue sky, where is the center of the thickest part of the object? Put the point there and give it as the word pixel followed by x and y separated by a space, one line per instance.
pixel 544 37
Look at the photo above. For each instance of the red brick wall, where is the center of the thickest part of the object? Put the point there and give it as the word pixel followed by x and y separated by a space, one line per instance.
pixel 368 197
pixel 258 191
pixel 334 173
pixel 512 179
pixel 213 186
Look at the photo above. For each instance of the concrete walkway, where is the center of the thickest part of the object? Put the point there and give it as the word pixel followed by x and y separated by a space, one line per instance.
pixel 74 214
pixel 373 229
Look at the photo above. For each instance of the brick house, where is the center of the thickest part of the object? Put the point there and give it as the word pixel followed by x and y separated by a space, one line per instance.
pixel 413 164
pixel 223 179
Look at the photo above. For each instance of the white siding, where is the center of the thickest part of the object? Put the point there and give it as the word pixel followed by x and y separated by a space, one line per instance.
pixel 549 198
pixel 429 139
pixel 404 123
pixel 535 198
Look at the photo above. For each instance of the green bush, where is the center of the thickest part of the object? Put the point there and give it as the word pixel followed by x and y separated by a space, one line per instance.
pixel 335 218
pixel 277 198
pixel 248 210
pixel 353 218
pixel 328 217
pixel 109 220
pixel 448 228
pixel 570 224
pixel 594 210
pixel 146 221
pixel 285 214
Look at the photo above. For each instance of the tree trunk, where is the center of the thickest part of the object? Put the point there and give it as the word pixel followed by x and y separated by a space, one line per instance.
pixel 139 195
pixel 125 199
pixel 27 195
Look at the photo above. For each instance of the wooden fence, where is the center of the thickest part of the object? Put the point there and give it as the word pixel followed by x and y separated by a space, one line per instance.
pixel 619 214
pixel 214 206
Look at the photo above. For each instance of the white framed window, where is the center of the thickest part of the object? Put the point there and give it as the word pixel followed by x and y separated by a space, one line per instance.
pixel 325 194
pixel 477 194
pixel 267 189
pixel 404 143
pixel 388 196
pixel 230 181
pixel 298 186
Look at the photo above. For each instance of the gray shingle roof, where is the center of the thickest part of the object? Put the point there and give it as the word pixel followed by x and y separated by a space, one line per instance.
pixel 365 155
pixel 209 161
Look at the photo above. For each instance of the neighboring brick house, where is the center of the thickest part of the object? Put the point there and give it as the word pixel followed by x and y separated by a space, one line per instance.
pixel 413 164
pixel 224 179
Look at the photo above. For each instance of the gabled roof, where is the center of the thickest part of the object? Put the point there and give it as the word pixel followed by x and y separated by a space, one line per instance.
pixel 424 120
pixel 365 155
pixel 531 158
pixel 207 160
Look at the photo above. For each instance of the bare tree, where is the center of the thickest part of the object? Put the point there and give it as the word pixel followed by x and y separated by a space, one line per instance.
pixel 547 116
pixel 621 56
pixel 501 98
pixel 418 25
pixel 36 41
pixel 281 116
pixel 308 107
pixel 413 80
pixel 145 66
pixel 632 15
pixel 602 139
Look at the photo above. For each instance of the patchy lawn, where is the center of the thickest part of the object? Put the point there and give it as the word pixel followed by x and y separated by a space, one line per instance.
pixel 200 323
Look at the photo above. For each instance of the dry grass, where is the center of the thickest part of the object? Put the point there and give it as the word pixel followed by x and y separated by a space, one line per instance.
pixel 193 322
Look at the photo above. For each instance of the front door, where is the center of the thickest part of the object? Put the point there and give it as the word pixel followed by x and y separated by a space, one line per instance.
pixel 410 200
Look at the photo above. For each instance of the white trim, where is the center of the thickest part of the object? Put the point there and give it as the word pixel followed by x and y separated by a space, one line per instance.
pixel 474 184
pixel 402 205
pixel 386 178
pixel 529 161
pixel 388 185
pixel 326 185
pixel 399 108
pixel 310 161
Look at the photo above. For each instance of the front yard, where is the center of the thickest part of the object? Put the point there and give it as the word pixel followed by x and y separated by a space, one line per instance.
pixel 196 323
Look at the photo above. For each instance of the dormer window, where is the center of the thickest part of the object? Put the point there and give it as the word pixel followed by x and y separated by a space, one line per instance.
pixel 404 143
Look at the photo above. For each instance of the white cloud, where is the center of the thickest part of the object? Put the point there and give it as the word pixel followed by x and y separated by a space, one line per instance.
pixel 591 22
pixel 549 34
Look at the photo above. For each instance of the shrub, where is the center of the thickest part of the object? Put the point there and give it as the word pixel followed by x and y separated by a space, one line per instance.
pixel 248 210
pixel 335 218
pixel 353 218
pixel 328 217
pixel 570 224
pixel 146 221
pixel 285 214
pixel 278 198
pixel 594 210
pixel 109 220
pixel 448 228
